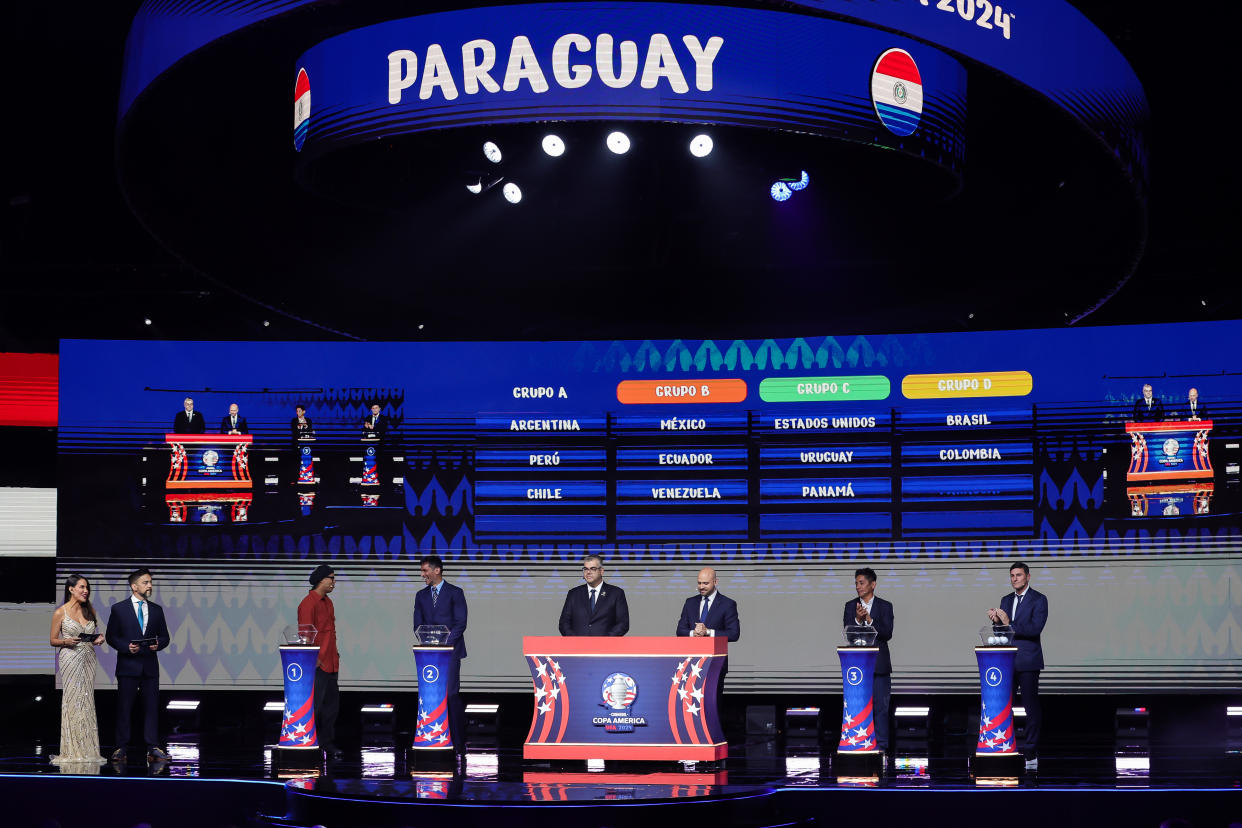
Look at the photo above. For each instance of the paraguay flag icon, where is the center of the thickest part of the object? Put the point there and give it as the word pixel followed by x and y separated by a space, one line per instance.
pixel 897 92
pixel 301 109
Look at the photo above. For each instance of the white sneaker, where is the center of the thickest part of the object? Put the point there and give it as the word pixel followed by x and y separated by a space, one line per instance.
pixel 1032 763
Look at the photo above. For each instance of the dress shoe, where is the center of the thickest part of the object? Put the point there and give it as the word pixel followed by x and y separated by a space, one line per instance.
pixel 155 754
pixel 1032 763
pixel 118 755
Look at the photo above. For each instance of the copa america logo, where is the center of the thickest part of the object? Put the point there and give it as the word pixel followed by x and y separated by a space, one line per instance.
pixel 1171 447
pixel 210 457
pixel 619 691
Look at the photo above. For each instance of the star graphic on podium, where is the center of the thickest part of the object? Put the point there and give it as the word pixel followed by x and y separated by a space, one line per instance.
pixel 696 669
pixel 544 708
pixel 692 709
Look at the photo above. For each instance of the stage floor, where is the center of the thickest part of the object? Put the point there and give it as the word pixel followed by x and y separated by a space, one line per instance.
pixel 764 782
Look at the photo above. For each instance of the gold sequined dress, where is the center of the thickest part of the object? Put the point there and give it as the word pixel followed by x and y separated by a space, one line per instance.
pixel 79 731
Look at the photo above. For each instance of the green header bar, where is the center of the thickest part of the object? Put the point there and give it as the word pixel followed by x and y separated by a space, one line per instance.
pixel 823 389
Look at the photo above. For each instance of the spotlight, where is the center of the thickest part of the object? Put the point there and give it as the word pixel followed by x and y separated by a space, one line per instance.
pixel 781 191
pixel 420 326
pixel 701 146
pixel 475 187
pixel 513 193
pixel 553 145
pixel 619 142
pixel 146 320
pixel 491 152
pixel 266 324
pixel 801 183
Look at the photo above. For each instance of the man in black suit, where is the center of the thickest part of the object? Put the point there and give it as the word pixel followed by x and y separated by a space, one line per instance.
pixel 869 610
pixel 442 603
pixel 1148 408
pixel 375 422
pixel 137 631
pixel 234 423
pixel 1026 611
pixel 1195 410
pixel 594 608
pixel 189 421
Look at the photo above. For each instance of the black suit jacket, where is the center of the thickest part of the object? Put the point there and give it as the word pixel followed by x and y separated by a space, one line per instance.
pixel 882 623
pixel 226 425
pixel 381 425
pixel 721 617
pixel 123 627
pixel 186 425
pixel 1201 411
pixel 611 616
pixel 298 432
pixel 1029 623
pixel 1143 414
pixel 450 611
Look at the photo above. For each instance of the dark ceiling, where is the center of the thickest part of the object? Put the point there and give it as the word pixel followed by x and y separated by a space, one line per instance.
pixel 75 262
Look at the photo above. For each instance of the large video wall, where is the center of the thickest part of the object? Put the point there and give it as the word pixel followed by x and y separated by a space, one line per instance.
pixel 786 463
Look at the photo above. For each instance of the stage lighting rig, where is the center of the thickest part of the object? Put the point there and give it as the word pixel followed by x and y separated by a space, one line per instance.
pixel 553 145
pixel 618 142
pixel 701 146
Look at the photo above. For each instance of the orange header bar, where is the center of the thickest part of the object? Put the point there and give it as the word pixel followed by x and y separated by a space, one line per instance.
pixel 647 392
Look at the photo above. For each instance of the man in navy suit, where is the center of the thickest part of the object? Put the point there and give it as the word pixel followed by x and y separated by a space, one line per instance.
pixel 869 610
pixel 1026 611
pixel 594 608
pixel 710 614
pixel 443 604
pixel 1195 410
pixel 189 421
pixel 137 619
pixel 234 423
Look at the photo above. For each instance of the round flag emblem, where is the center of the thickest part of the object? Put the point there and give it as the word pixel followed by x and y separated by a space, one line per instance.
pixel 301 109
pixel 897 92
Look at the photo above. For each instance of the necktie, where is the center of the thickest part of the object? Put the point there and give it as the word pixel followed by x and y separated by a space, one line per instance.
pixel 1017 602
pixel 435 595
pixel 142 615
pixel 592 599
pixel 703 611
pixel 234 422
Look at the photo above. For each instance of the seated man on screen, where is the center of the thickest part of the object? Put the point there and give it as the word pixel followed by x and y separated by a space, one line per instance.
pixel 189 421
pixel 375 423
pixel 1195 410
pixel 1148 408
pixel 234 423
pixel 300 425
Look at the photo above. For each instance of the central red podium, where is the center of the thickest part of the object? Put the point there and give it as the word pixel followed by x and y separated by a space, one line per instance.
pixel 640 698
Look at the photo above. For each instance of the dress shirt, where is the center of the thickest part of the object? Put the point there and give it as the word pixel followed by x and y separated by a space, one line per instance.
pixel 318 610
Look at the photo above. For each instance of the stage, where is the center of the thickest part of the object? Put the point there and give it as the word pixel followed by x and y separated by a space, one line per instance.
pixel 215 781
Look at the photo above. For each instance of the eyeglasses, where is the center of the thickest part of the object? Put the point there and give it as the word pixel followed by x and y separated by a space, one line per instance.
pixel 590 569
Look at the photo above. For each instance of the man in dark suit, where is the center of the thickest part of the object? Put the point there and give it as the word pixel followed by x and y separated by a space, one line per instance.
pixel 869 610
pixel 189 421
pixel 234 423
pixel 1148 408
pixel 375 423
pixel 594 608
pixel 442 603
pixel 132 625
pixel 710 614
pixel 1195 410
pixel 1026 611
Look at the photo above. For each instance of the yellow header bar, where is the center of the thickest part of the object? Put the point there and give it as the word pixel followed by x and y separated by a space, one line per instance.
pixel 967 384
